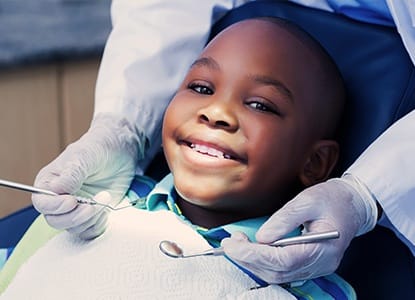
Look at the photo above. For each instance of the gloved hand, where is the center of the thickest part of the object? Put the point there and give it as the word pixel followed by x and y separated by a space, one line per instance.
pixel 104 158
pixel 338 204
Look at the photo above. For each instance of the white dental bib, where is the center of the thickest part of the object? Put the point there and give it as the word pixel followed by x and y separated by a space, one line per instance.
pixel 126 263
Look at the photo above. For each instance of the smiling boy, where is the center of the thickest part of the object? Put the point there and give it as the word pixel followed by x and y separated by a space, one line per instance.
pixel 251 125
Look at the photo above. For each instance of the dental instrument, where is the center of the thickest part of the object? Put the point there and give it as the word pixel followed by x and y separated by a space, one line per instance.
pixel 80 200
pixel 171 249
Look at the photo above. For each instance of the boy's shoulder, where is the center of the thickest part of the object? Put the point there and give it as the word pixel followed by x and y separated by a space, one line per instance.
pixel 139 189
pixel 142 185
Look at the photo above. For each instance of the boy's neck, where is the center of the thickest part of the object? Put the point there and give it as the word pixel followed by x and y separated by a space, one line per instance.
pixel 209 218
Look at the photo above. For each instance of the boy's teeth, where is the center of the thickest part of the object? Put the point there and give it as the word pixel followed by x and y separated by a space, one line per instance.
pixel 210 151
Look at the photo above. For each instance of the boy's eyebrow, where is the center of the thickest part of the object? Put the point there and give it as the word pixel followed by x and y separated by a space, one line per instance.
pixel 262 79
pixel 207 62
pixel 281 87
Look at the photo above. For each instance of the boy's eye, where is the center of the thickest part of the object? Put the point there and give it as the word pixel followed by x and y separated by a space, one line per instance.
pixel 263 107
pixel 201 89
pixel 259 106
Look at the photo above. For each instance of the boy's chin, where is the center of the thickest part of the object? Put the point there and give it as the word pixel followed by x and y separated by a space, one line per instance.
pixel 198 199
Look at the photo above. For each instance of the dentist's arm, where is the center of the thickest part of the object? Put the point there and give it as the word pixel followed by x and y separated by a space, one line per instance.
pixel 383 173
pixel 148 52
pixel 387 169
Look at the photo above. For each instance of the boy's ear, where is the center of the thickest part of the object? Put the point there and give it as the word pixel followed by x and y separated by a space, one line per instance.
pixel 320 162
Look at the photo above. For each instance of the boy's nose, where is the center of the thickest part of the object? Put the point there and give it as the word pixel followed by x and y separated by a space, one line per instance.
pixel 219 115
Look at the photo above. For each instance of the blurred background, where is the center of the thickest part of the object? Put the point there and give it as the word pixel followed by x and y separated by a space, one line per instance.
pixel 50 52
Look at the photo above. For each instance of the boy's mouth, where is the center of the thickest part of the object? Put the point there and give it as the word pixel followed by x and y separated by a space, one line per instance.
pixel 209 151
pixel 212 150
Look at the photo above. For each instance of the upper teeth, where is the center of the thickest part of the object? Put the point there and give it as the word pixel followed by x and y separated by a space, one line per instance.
pixel 210 151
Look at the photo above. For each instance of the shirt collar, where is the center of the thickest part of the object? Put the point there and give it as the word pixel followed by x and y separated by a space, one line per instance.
pixel 163 196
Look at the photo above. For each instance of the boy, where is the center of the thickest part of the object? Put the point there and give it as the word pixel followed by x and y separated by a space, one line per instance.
pixel 251 125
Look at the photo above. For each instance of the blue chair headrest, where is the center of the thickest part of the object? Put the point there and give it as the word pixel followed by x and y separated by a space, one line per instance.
pixel 378 73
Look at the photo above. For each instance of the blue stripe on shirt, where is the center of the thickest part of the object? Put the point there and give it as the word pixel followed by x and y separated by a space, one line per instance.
pixel 330 288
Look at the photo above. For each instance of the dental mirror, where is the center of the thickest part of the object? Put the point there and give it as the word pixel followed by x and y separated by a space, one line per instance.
pixel 171 249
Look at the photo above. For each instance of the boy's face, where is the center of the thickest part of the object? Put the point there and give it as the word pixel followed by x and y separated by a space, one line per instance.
pixel 239 129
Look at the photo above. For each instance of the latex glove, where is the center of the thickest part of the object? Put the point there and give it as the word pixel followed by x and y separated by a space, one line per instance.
pixel 338 204
pixel 104 158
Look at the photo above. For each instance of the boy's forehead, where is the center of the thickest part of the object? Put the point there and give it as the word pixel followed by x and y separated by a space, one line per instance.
pixel 263 38
pixel 261 33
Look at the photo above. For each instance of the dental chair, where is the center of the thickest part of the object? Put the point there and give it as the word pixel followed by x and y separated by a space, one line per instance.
pixel 380 82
